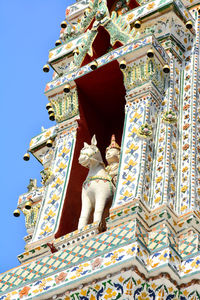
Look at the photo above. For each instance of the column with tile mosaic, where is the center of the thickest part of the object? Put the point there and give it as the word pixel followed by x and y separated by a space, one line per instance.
pixel 150 247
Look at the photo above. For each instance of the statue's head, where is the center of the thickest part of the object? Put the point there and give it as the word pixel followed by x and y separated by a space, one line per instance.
pixel 113 151
pixel 90 153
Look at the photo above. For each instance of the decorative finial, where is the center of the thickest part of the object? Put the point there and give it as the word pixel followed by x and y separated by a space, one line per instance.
pixel 113 143
pixel 32 184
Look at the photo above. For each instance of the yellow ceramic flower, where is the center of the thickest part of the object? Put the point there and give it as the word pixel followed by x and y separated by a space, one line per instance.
pixel 68 46
pixel 121 279
pixel 14 293
pixel 143 296
pixel 184 188
pixel 83 292
pixel 160 158
pixel 158 179
pixel 131 163
pixel 64 151
pixel 61 167
pixel 157 199
pixel 47 134
pixel 130 17
pixel 136 116
pixel 172 187
pixel 129 178
pixel 185 293
pixel 31 143
pixel 58 182
pixel 183 207
pixel 110 294
pixel 97 287
pixel 50 55
pixel 134 130
pixel 108 263
pixel 46 229
pixel 174 145
pixel 148 178
pixel 132 147
pixel 50 214
pixel 173 167
pixel 54 197
pixel 154 286
pixel 126 194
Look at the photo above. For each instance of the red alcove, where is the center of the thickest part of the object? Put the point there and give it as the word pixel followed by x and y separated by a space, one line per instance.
pixel 101 95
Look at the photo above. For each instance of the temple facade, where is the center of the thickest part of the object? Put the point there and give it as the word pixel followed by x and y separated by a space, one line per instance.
pixel 117 215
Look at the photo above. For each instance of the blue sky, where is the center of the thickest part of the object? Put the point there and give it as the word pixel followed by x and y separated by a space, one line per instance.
pixel 28 29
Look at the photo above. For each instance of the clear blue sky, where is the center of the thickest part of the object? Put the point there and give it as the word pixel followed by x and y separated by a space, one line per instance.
pixel 28 29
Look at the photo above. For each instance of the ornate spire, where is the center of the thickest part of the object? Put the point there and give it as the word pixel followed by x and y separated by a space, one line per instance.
pixel 113 144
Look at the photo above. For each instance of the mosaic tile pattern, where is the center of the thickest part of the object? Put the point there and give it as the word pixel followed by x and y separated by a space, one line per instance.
pixel 42 137
pixel 164 167
pixel 131 285
pixel 129 254
pixel 34 195
pixel 114 247
pixel 113 55
pixel 135 150
pixel 65 106
pixel 188 244
pixel 64 49
pixel 63 259
pixel 153 6
pixel 75 8
pixel 170 247
pixel 168 23
pixel 187 125
pixel 55 190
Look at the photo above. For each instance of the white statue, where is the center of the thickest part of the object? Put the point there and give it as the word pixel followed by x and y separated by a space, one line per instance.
pixel 112 157
pixel 98 189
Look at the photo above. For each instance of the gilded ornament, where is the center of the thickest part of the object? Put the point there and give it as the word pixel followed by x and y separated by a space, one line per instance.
pixel 145 131
pixel 16 213
pixel 150 53
pixel 51 111
pixel 58 43
pixel 184 188
pixel 137 24
pixel 46 68
pixel 122 64
pixel 94 65
pixel 66 88
pixel 28 205
pixel 32 185
pixel 189 24
pixel 76 51
pixel 47 175
pixel 48 106
pixel 63 24
pixel 26 156
pixel 169 117
pixel 52 117
pixel 112 158
pixel 166 69
pixel 49 143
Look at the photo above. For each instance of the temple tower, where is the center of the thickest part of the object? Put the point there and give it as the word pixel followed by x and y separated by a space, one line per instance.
pixel 128 69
